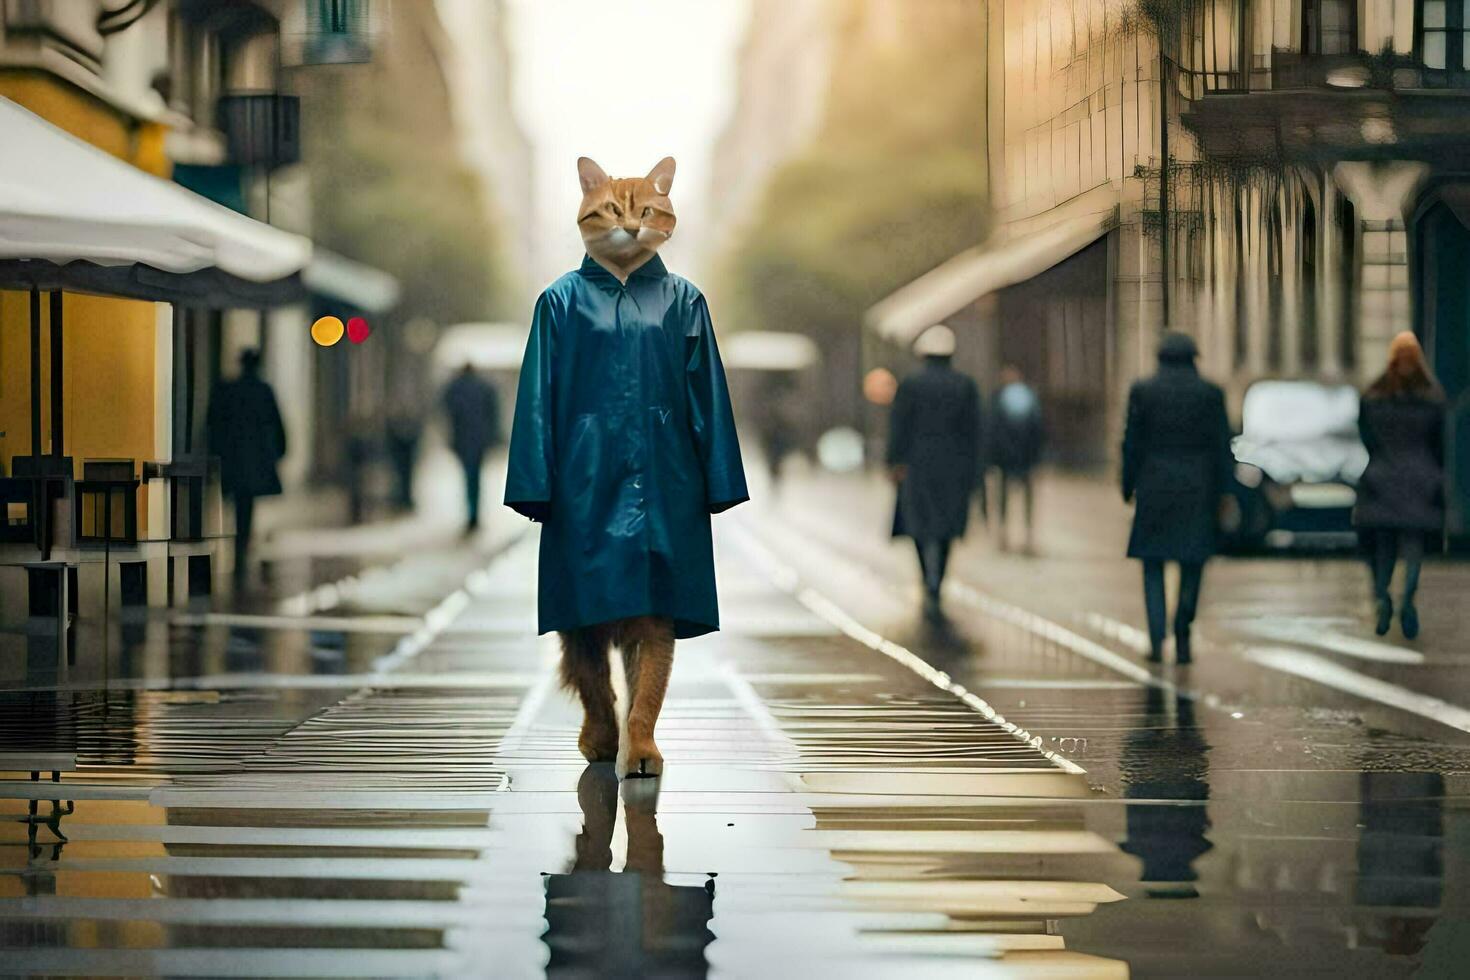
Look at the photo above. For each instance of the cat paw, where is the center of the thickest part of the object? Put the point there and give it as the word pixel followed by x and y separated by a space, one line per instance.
pixel 598 743
pixel 642 760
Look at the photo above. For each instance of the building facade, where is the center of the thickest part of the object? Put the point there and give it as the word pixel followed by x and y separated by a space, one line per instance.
pixel 1310 206
pixel 182 89
pixel 782 81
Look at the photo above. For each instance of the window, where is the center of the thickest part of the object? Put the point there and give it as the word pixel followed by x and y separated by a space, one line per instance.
pixel 1329 26
pixel 1309 342
pixel 1347 227
pixel 1444 34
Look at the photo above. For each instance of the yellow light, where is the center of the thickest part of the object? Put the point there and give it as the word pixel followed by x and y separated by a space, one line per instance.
pixel 327 331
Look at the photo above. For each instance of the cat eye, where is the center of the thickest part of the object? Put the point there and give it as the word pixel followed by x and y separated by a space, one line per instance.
pixel 648 212
pixel 617 211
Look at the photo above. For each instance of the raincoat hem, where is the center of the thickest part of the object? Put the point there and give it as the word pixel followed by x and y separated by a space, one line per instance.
pixel 684 629
pixel 720 506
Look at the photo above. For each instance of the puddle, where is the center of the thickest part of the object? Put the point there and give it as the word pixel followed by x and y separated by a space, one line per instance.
pixel 259 800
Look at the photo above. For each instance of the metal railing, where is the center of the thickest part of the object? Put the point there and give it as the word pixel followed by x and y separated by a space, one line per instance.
pixel 1211 44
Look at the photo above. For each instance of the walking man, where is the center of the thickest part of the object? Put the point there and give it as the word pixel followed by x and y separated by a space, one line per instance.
pixel 244 429
pixel 934 456
pixel 1176 461
pixel 1016 437
pixel 473 407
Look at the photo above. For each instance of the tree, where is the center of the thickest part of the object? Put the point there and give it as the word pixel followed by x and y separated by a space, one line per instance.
pixel 894 185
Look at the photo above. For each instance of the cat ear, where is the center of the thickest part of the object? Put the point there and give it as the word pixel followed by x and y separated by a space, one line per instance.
pixel 591 175
pixel 662 175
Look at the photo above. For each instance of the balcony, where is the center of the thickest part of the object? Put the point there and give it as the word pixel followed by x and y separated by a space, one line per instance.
pixel 1306 108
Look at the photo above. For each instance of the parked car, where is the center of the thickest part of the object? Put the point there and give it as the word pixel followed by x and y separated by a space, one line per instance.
pixel 1298 459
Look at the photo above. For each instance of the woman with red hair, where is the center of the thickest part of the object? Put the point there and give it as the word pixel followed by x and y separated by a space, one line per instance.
pixel 1401 495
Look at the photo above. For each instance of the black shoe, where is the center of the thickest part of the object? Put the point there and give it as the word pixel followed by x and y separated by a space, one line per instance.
pixel 1408 620
pixel 1385 616
pixel 1182 653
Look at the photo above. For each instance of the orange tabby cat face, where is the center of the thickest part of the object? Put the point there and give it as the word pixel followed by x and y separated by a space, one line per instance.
pixel 624 220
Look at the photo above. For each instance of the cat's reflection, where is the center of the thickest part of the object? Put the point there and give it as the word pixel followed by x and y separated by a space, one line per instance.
pixel 629 923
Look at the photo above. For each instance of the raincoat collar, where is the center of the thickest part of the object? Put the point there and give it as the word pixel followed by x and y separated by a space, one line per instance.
pixel 652 269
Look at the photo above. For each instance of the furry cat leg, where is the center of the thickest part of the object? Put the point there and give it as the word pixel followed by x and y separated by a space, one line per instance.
pixel 584 669
pixel 648 657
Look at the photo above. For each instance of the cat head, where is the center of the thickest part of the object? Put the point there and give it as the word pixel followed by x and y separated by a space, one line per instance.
pixel 624 220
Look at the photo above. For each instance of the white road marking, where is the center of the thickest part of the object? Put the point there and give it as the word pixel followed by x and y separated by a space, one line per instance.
pixel 1075 642
pixel 1334 675
pixel 787 580
pixel 1317 633
pixel 1131 637
pixel 1329 673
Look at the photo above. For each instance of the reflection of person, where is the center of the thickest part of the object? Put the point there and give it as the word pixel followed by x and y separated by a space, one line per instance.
pixel 933 454
pixel 630 923
pixel 1166 759
pixel 1176 461
pixel 1401 844
pixel 244 430
pixel 1401 493
pixel 473 407
pixel 1016 436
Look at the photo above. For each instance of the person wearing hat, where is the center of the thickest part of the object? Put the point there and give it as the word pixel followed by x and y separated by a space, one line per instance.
pixel 1401 501
pixel 934 456
pixel 1176 468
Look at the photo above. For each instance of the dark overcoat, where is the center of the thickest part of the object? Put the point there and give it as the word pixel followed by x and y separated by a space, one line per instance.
pixel 623 444
pixel 473 407
pixel 1015 440
pixel 934 433
pixel 1403 486
pixel 244 430
pixel 1176 464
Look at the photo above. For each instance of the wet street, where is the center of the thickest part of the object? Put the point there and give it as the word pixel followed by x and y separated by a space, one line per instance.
pixel 368 769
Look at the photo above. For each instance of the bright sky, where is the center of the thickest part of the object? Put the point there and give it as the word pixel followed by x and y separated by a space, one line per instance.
pixel 625 82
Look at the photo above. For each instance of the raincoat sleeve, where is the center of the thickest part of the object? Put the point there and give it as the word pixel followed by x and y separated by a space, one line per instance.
pixel 531 466
pixel 974 435
pixel 898 425
pixel 1132 443
pixel 278 427
pixel 710 415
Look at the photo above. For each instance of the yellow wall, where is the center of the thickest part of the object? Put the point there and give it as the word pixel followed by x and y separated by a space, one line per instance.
pixel 87 117
pixel 110 371
pixel 108 376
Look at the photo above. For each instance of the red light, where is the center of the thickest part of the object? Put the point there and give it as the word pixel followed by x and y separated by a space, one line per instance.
pixel 358 330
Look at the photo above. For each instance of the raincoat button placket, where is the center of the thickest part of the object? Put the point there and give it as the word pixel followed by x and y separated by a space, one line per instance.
pixel 631 399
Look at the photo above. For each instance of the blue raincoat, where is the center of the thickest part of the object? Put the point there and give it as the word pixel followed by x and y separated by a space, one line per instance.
pixel 623 445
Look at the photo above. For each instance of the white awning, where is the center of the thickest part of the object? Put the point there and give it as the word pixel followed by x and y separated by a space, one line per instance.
pixel 768 350
pixel 63 200
pixel 1014 255
pixel 337 277
pixel 487 346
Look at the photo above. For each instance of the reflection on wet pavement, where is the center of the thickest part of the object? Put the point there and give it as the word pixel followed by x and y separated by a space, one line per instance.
pixel 393 788
pixel 631 922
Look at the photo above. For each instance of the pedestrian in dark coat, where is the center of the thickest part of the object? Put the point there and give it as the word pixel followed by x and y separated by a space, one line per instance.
pixel 934 456
pixel 1015 440
pixel 244 429
pixel 473 407
pixel 1176 464
pixel 1401 504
